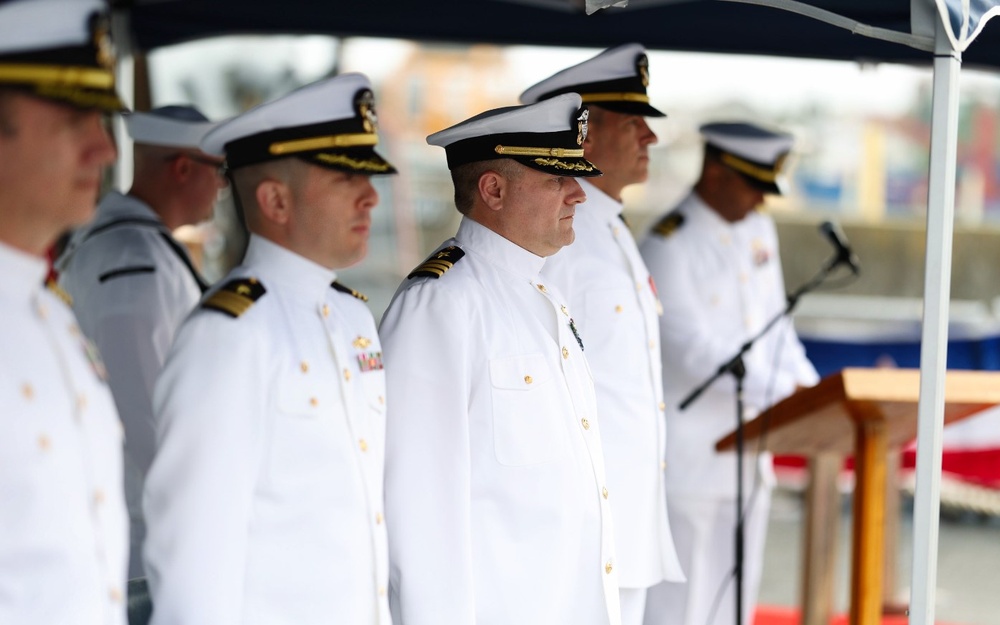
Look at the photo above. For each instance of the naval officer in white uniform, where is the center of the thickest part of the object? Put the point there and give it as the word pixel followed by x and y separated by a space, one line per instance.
pixel 132 283
pixel 617 308
pixel 495 484
pixel 715 258
pixel 264 500
pixel 63 524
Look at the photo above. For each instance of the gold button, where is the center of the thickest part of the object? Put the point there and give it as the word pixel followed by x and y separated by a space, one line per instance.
pixel 565 353
pixel 381 591
pixel 585 423
pixel 115 595
pixel 74 330
pixel 614 231
pixel 363 444
pixel 608 567
pixel 304 366
pixel 381 399
pixel 81 401
pixel 326 310
pixel 663 465
pixel 564 310
pixel 652 344
pixel 44 443
pixel 604 491
pixel 98 496
pixel 744 277
pixel 313 402
pixel 378 518
pixel 541 287
pixel 347 374
pixel 662 406
pixel 43 312
pixel 619 308
pixel 528 379
pixel 28 391
pixel 638 286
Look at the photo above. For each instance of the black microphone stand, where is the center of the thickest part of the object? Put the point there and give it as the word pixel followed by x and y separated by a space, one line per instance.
pixel 737 368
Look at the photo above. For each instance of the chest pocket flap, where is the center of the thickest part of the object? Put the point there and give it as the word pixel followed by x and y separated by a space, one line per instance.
pixel 529 411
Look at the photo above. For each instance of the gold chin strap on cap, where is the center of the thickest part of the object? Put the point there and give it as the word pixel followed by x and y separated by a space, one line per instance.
pixel 324 143
pixel 508 150
pixel 86 77
pixel 749 169
pixel 615 97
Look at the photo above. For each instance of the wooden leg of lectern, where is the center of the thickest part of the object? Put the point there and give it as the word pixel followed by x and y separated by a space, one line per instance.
pixel 819 544
pixel 869 522
pixel 890 577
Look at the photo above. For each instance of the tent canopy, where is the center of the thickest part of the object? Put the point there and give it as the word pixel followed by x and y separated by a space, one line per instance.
pixel 685 25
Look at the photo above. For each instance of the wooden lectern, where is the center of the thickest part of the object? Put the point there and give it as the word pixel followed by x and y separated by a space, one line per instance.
pixel 863 412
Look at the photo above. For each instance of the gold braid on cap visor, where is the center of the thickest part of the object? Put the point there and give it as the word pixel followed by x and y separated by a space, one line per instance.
pixel 87 77
pixel 615 97
pixel 508 150
pixel 749 169
pixel 324 143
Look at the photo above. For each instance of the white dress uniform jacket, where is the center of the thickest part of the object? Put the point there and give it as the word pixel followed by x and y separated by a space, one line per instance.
pixel 131 290
pixel 616 307
pixel 63 524
pixel 721 283
pixel 264 501
pixel 495 485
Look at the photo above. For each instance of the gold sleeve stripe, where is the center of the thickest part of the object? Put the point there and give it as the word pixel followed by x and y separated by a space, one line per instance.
pixel 508 150
pixel 323 143
pixel 615 97
pixel 88 77
pixel 744 167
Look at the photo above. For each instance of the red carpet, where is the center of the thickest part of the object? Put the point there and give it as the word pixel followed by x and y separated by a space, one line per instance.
pixel 772 615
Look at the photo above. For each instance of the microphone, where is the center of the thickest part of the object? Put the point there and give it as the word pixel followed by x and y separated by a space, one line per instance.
pixel 839 242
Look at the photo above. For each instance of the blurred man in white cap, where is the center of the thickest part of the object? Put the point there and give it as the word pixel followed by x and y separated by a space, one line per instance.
pixel 63 524
pixel 498 507
pixel 132 283
pixel 264 500
pixel 716 260
pixel 616 305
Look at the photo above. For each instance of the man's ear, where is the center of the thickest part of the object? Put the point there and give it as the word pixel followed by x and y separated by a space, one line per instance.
pixel 181 168
pixel 275 200
pixel 493 190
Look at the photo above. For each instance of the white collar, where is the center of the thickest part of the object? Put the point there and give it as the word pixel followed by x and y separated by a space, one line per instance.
pixel 24 273
pixel 503 253
pixel 272 262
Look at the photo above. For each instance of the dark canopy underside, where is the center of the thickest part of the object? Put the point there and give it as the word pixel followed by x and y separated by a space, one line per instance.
pixel 703 26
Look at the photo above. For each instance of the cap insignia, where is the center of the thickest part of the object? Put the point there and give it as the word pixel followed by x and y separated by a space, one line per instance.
pixel 100 32
pixel 366 110
pixel 642 68
pixel 581 126
pixel 235 297
pixel 438 263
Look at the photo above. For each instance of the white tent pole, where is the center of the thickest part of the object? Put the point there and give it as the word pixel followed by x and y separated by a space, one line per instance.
pixel 121 33
pixel 934 333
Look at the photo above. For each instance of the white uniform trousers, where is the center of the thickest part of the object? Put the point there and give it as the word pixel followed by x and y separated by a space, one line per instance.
pixel 704 534
pixel 633 604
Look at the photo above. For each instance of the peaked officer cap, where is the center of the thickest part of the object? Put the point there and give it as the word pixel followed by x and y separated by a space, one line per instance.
pixel 59 50
pixel 330 123
pixel 756 153
pixel 172 126
pixel 615 79
pixel 547 136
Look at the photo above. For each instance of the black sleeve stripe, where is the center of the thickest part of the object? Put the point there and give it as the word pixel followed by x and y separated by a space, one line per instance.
pixel 116 273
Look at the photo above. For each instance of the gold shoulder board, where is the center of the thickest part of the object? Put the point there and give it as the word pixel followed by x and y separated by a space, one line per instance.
pixel 438 263
pixel 235 297
pixel 59 292
pixel 346 289
pixel 669 224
